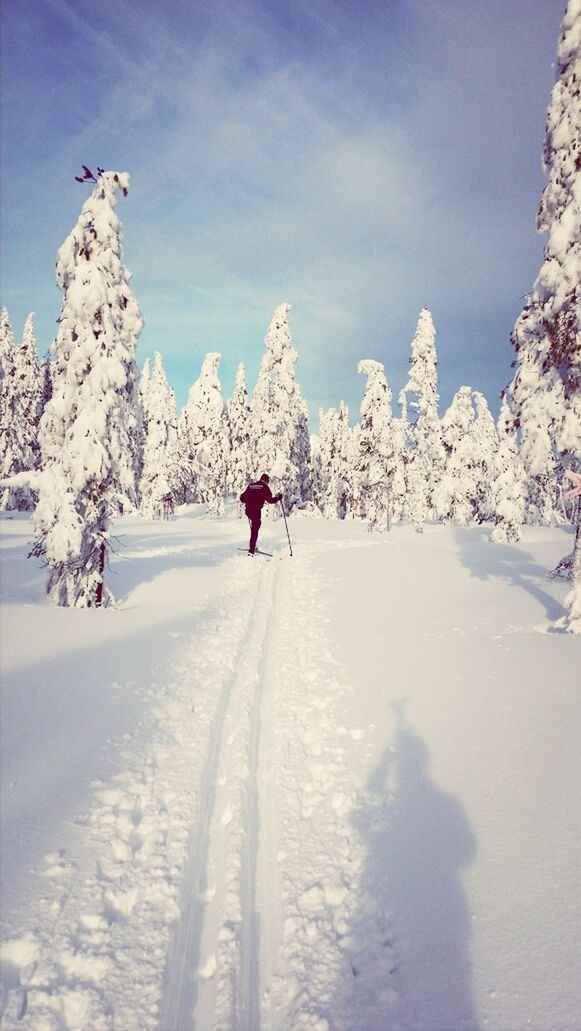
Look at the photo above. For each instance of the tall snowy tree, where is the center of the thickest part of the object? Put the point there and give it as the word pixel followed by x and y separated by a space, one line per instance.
pixel 281 442
pixel 376 459
pixel 456 497
pixel 239 413
pixel 87 432
pixel 399 485
pixel 546 388
pixel 7 396
pixel 23 400
pixel 334 465
pixel 425 457
pixel 142 389
pixel 46 378
pixel 486 444
pixel 159 471
pixel 536 444
pixel 6 355
pixel 203 439
pixel 507 491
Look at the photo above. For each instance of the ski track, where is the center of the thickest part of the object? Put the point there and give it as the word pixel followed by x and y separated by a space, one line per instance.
pixel 331 962
pixel 223 884
pixel 93 951
pixel 219 928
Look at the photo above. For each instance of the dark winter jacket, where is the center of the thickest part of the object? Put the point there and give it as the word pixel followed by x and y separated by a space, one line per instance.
pixel 255 496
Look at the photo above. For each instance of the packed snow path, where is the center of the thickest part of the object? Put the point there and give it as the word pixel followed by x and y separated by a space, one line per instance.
pixel 339 805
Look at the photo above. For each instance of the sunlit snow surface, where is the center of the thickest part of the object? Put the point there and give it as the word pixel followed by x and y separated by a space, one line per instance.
pixel 333 791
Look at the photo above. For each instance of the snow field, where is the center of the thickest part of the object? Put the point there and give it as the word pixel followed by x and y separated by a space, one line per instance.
pixel 94 949
pixel 334 791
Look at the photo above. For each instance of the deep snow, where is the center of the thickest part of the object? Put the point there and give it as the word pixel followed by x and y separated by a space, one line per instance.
pixel 333 791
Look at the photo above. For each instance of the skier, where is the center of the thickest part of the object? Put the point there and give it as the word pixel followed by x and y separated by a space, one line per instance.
pixel 253 498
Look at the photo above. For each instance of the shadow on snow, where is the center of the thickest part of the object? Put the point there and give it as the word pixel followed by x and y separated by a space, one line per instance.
pixel 141 559
pixel 418 975
pixel 486 559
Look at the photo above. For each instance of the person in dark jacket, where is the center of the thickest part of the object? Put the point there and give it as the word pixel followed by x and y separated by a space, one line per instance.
pixel 253 498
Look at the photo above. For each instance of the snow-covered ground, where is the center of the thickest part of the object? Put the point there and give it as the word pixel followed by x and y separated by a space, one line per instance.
pixel 338 791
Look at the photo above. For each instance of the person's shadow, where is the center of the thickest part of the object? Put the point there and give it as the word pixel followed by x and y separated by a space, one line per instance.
pixel 418 975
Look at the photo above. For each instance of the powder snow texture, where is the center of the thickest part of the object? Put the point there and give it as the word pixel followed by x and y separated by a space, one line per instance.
pixel 331 792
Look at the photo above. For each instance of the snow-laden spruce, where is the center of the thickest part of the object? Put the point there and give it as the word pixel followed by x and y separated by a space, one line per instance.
pixel 376 458
pixel 22 407
pixel 90 428
pixel 280 424
pixel 6 345
pixel 7 394
pixel 507 490
pixel 158 476
pixel 486 446
pixel 203 440
pixel 400 431
pixel 425 455
pixel 546 388
pixel 456 496
pixel 334 461
pixel 470 441
pixel 239 417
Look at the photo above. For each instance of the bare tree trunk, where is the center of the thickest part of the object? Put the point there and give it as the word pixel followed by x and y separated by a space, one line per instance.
pixel 573 599
pixel 101 570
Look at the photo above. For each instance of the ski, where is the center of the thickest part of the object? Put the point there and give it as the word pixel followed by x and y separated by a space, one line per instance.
pixel 257 552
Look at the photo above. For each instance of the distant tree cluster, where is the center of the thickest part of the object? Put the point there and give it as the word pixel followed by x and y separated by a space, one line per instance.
pixel 84 436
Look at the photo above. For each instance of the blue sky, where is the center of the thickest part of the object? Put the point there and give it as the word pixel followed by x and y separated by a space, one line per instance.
pixel 358 159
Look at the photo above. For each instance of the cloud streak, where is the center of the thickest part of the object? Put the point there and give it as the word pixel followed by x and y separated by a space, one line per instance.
pixel 356 165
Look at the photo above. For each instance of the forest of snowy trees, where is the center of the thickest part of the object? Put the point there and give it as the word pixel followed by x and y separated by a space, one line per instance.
pixel 86 436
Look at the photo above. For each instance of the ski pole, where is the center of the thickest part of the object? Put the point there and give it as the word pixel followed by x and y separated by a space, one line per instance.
pixel 287 533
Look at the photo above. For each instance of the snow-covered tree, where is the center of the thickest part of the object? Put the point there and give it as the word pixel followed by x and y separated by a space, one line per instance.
pixel 87 432
pixel 6 356
pixel 375 447
pixel 7 392
pixel 425 456
pixel 22 402
pixel 46 381
pixel 456 496
pixel 280 424
pixel 159 472
pixel 203 439
pixel 239 414
pixel 536 445
pixel 399 484
pixel 334 462
pixel 486 444
pixel 546 388
pixel 507 491
pixel 402 447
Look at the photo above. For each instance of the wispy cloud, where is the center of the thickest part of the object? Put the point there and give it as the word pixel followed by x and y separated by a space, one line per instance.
pixel 358 161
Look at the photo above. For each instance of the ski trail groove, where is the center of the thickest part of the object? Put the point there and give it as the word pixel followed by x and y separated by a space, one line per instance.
pixel 212 970
pixel 251 918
